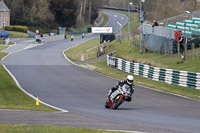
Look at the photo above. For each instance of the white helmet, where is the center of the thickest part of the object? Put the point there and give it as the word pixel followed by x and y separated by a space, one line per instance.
pixel 130 79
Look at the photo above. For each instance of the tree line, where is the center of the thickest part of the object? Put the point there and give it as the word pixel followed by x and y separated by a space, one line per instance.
pixel 53 13
pixel 159 9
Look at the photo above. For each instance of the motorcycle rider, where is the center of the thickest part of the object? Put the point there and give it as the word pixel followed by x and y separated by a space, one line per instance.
pixel 128 81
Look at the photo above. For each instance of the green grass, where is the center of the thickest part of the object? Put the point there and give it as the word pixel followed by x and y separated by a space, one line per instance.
pixel 2 47
pixel 10 95
pixel 154 59
pixel 80 28
pixel 13 98
pixel 3 54
pixel 134 20
pixel 87 50
pixel 41 29
pixel 101 67
pixel 47 129
pixel 11 43
pixel 2 42
pixel 105 20
pixel 15 34
pixel 75 53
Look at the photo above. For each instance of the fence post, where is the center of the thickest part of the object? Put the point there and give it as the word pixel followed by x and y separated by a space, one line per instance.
pixel 165 48
pixel 186 50
pixel 154 47
pixel 144 45
pixel 192 50
pixel 171 48
pixel 159 47
pixel 178 46
pixel 149 46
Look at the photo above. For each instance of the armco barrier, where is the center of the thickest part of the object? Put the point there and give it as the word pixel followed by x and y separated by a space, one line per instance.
pixel 121 9
pixel 170 76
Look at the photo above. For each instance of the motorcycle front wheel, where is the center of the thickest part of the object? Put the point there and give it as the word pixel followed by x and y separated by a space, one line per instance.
pixel 118 102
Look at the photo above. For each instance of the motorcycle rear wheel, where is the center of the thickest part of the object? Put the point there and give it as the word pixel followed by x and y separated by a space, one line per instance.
pixel 107 105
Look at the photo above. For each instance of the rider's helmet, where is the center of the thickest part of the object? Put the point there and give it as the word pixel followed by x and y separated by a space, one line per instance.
pixel 130 79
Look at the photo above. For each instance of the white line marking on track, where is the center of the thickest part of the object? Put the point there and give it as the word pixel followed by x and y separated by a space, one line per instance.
pixel 125 131
pixel 5 56
pixel 19 86
pixel 29 41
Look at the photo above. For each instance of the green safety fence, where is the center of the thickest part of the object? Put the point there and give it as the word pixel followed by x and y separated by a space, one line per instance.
pixel 170 76
pixel 31 36
pixel 78 33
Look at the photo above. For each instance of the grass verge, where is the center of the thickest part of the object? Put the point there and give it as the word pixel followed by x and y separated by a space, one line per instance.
pixel 13 98
pixel 75 53
pixel 80 28
pixel 15 34
pixel 2 47
pixel 154 59
pixel 3 54
pixel 101 67
pixel 2 42
pixel 41 29
pixel 10 95
pixel 47 129
pixel 105 20
pixel 85 51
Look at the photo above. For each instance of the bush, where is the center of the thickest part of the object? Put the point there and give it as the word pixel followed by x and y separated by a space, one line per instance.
pixel 17 28
pixel 9 28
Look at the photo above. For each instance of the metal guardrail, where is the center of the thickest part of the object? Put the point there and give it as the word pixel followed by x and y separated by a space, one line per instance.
pixel 169 76
pixel 121 9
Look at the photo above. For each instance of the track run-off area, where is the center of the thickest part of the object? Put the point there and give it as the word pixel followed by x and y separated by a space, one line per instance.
pixel 44 72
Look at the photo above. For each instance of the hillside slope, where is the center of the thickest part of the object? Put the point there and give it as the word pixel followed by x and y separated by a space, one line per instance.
pixel 160 9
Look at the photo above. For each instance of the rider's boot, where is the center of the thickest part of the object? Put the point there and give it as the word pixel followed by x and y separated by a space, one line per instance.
pixel 109 94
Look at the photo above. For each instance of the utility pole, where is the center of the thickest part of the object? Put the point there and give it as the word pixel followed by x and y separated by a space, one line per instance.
pixel 141 25
pixel 185 39
pixel 129 25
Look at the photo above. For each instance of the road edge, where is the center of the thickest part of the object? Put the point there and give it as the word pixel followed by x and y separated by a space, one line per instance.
pixel 30 95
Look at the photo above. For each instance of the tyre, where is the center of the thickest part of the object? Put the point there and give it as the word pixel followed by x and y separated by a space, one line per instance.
pixel 118 102
pixel 107 105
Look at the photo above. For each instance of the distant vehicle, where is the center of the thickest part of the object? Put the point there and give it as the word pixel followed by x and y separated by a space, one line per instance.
pixel 4 35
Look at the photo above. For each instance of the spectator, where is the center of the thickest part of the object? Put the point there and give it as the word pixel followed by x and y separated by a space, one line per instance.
pixel 181 41
pixel 155 23
pixel 83 35
pixel 72 38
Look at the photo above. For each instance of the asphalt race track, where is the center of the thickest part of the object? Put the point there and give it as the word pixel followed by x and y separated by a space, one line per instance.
pixel 44 72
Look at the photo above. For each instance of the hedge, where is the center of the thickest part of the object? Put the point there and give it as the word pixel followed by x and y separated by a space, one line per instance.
pixel 17 28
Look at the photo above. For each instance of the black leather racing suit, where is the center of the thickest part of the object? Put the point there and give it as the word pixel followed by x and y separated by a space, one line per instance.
pixel 121 83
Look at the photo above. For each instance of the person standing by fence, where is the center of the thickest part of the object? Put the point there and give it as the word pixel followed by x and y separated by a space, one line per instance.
pixel 181 41
pixel 155 23
pixel 72 38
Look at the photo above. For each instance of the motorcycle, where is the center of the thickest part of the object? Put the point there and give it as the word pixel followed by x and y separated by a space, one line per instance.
pixel 118 97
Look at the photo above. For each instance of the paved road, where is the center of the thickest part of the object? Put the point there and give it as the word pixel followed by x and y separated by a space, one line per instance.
pixel 44 72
